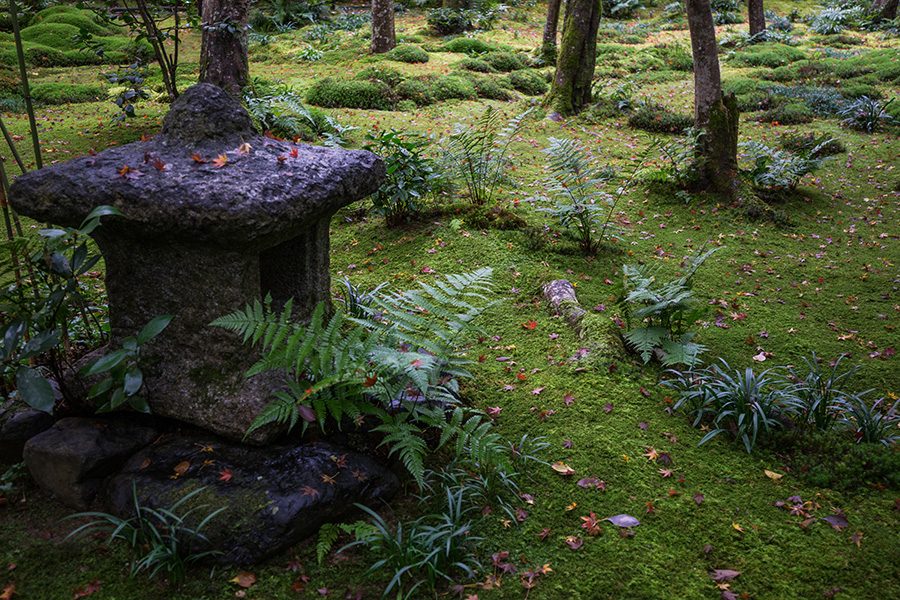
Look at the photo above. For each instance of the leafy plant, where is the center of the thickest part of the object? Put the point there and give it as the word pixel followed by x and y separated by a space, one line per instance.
pixel 478 153
pixel 400 365
pixel 871 423
pixel 410 175
pixel 45 307
pixel 355 300
pixel 577 184
pixel 448 21
pixel 834 19
pixel 820 393
pixel 742 404
pixel 421 554
pixel 162 540
pixel 775 170
pixel 124 380
pixel 867 114
pixel 658 315
pixel 280 111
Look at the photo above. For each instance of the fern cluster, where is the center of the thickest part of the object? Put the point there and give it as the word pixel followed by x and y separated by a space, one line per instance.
pixel 400 363
pixel 478 153
pixel 658 314
pixel 774 170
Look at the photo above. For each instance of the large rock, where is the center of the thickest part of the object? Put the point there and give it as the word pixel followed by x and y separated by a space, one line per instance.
pixel 273 497
pixel 71 459
pixel 16 428
pixel 215 217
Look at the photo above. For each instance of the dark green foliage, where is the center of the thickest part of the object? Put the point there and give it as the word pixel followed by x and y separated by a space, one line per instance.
pixel 448 87
pixel 833 460
pixel 162 541
pixel 787 113
pixel 410 175
pixel 529 82
pixel 467 45
pixel 658 119
pixel 477 65
pixel 449 21
pixel 66 93
pixel 775 171
pixel 504 61
pixel 279 110
pixel 337 93
pixel 659 314
pixel 809 142
pixel 416 90
pixel 408 53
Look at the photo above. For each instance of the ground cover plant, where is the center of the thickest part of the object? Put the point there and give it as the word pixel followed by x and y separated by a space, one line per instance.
pixel 765 469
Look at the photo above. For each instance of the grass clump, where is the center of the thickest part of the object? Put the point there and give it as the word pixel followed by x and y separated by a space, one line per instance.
pixel 466 45
pixel 529 82
pixel 767 55
pixel 658 119
pixel 504 61
pixel 408 53
pixel 453 87
pixel 66 93
pixel 356 93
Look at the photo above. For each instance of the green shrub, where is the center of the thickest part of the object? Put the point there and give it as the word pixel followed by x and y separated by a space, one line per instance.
pixel 658 119
pixel 410 175
pixel 450 87
pixel 466 45
pixel 335 93
pixel 767 55
pixel 529 82
pixel 789 113
pixel 487 86
pixel 408 53
pixel 504 61
pixel 476 64
pixel 66 93
pixel 774 171
pixel 382 73
pixel 416 91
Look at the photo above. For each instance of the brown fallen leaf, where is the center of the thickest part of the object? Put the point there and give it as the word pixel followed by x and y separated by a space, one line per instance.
pixel 562 468
pixel 244 579
pixel 180 469
pixel 88 590
pixel 773 475
pixel 8 591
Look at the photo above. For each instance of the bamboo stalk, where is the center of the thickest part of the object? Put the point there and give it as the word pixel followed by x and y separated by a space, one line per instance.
pixel 26 89
pixel 12 145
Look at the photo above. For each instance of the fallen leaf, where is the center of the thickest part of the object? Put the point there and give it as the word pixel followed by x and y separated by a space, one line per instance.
pixel 574 542
pixel 773 475
pixel 180 469
pixel 623 521
pixel 737 527
pixel 8 592
pixel 225 475
pixel 838 521
pixel 720 575
pixel 244 579
pixel 562 468
pixel 220 161
pixel 88 590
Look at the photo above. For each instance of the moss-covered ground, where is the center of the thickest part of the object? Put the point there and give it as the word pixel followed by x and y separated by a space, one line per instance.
pixel 825 279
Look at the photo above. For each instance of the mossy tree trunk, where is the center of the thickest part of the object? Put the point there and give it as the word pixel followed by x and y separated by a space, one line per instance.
pixel 886 9
pixel 548 47
pixel 714 113
pixel 571 90
pixel 383 37
pixel 223 54
pixel 757 16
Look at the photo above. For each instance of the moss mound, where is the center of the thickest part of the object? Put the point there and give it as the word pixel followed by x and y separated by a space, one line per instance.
pixel 453 87
pixel 408 53
pixel 529 82
pixel 354 93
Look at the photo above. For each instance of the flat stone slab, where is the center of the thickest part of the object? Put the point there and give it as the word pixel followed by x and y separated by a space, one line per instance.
pixel 175 185
pixel 71 459
pixel 273 496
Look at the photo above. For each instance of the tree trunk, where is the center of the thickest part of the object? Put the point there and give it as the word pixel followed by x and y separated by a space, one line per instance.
pixel 571 90
pixel 548 47
pixel 223 55
pixel 886 9
pixel 714 113
pixel 757 16
pixel 383 38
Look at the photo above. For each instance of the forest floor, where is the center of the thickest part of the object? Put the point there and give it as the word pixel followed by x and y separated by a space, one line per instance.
pixel 824 279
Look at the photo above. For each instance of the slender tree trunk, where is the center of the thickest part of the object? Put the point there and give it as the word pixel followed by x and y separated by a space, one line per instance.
pixel 548 47
pixel 886 9
pixel 223 55
pixel 757 16
pixel 714 113
pixel 571 89
pixel 383 38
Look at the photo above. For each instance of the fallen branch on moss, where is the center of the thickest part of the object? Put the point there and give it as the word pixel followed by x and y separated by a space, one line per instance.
pixel 598 332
